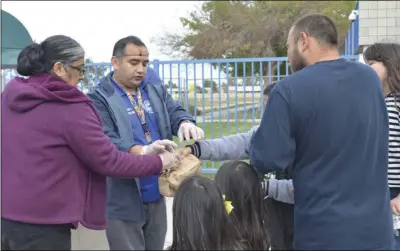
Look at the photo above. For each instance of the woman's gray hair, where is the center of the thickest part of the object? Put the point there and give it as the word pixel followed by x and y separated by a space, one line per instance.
pixel 39 58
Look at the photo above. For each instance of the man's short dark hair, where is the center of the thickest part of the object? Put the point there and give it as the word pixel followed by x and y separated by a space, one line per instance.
pixel 268 89
pixel 119 47
pixel 317 26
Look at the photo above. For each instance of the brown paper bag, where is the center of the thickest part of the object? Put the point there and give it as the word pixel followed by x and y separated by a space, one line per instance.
pixel 170 179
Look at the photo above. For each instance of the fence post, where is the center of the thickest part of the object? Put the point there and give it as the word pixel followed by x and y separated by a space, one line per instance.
pixel 156 66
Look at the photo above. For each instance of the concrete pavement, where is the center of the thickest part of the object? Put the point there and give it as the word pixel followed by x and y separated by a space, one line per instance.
pixel 85 239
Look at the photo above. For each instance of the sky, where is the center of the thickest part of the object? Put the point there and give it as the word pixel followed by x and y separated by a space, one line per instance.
pixel 97 25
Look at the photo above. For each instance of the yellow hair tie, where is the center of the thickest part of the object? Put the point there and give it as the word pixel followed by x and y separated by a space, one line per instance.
pixel 228 205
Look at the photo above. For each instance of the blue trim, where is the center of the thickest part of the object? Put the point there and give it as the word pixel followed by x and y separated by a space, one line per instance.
pixel 352 36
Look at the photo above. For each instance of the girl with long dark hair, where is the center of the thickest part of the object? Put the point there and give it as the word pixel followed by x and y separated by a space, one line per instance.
pixel 240 184
pixel 201 220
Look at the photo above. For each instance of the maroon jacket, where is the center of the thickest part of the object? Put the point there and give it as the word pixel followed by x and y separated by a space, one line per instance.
pixel 55 155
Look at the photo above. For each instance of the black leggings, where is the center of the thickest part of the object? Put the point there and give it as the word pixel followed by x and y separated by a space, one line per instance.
pixel 24 236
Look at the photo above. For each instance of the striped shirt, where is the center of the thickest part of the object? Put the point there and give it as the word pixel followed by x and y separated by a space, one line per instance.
pixel 393 108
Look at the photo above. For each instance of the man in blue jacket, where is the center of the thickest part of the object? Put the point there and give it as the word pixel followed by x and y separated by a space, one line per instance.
pixel 138 114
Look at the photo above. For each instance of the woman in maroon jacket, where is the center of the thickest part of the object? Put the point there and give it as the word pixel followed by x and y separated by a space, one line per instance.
pixel 55 155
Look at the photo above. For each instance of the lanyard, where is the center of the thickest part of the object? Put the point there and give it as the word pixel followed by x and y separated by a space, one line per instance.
pixel 140 112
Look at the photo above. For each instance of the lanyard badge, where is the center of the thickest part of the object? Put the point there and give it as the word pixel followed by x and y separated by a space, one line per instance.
pixel 140 112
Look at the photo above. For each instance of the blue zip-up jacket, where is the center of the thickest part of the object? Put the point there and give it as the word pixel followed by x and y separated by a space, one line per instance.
pixel 124 201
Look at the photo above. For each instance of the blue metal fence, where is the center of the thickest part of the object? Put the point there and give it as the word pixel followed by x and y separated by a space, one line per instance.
pixel 351 42
pixel 224 95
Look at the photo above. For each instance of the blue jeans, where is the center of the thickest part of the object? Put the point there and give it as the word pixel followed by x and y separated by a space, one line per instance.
pixel 394 192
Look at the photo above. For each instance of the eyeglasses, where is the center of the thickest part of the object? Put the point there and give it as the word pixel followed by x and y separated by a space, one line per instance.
pixel 82 70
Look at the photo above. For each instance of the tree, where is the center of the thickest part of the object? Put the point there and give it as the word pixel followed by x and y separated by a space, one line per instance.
pixel 242 29
pixel 210 84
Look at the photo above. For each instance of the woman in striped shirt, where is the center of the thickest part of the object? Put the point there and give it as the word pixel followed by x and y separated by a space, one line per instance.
pixel 384 58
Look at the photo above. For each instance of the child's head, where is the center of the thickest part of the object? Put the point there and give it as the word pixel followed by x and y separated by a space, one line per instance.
pixel 200 219
pixel 240 183
pixel 384 58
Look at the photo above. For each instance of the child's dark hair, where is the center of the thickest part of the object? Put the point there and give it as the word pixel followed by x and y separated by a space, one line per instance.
pixel 200 219
pixel 241 184
pixel 389 55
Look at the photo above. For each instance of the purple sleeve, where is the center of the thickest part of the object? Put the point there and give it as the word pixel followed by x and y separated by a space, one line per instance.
pixel 85 136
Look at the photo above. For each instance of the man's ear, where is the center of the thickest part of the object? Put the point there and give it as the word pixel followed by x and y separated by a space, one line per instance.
pixel 304 41
pixel 114 62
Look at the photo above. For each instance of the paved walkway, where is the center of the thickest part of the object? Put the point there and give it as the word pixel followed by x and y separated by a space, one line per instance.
pixel 85 239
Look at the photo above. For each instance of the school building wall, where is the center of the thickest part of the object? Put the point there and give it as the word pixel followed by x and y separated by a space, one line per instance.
pixel 379 21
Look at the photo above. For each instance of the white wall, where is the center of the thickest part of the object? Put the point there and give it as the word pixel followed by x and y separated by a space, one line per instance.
pixel 379 22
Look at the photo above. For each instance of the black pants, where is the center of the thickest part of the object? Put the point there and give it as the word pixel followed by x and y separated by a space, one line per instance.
pixel 279 224
pixel 25 236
